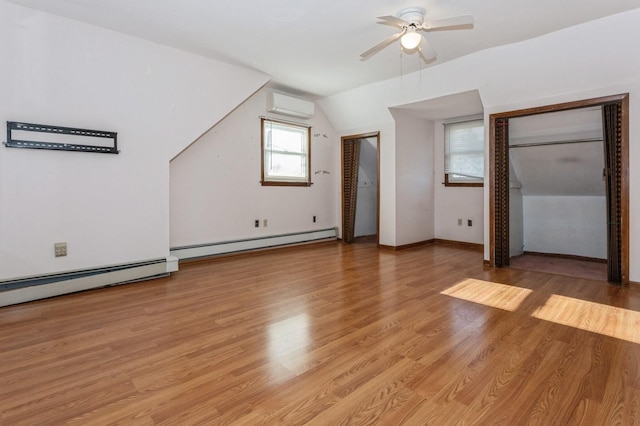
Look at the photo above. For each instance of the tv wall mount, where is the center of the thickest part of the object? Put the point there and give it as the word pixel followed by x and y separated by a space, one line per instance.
pixel 42 136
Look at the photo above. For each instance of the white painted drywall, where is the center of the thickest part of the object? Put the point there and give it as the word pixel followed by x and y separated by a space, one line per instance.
pixel 414 179
pixel 387 181
pixel 367 199
pixel 516 222
pixel 216 193
pixel 110 209
pixel 453 203
pixel 567 65
pixel 566 225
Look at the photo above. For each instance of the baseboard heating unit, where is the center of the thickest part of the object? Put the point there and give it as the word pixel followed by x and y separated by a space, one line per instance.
pixel 33 288
pixel 228 247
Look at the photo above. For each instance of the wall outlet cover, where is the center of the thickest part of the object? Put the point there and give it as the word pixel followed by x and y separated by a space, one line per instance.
pixel 60 249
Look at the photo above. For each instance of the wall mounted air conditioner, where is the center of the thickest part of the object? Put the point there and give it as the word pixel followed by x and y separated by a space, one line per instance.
pixel 288 105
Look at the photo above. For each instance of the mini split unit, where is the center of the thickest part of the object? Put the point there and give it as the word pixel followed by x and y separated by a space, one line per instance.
pixel 288 105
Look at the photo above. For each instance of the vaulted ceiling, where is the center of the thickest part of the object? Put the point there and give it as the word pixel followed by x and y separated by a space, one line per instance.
pixel 313 47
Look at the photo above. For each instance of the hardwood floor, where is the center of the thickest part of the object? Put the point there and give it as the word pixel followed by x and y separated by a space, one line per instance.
pixel 328 334
pixel 579 268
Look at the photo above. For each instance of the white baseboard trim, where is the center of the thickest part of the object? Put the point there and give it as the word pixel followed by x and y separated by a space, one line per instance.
pixel 228 247
pixel 34 288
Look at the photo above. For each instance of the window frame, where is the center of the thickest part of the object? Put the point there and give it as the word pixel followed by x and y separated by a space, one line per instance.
pixel 265 180
pixel 457 183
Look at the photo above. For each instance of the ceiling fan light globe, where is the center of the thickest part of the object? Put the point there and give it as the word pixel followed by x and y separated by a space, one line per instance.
pixel 411 40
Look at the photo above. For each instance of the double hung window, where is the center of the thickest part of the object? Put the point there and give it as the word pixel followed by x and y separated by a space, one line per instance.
pixel 286 153
pixel 464 153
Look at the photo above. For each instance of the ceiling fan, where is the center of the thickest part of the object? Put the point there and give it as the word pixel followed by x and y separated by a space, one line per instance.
pixel 411 23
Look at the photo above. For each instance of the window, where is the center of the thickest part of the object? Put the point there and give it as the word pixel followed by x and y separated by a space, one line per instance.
pixel 464 153
pixel 286 154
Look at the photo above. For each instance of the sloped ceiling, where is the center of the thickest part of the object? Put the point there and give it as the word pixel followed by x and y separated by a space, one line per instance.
pixel 313 47
pixel 563 169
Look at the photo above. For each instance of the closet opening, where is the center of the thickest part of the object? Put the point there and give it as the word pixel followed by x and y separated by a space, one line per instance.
pixel 606 183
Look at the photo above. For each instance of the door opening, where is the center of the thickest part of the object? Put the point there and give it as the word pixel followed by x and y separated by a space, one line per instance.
pixel 360 188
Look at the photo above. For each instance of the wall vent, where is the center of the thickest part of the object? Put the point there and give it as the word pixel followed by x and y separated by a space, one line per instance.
pixel 288 105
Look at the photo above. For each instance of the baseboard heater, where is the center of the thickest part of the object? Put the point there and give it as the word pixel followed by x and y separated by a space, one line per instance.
pixel 236 246
pixel 33 288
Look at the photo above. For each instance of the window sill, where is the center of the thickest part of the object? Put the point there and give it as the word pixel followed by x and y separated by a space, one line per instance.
pixel 462 184
pixel 276 183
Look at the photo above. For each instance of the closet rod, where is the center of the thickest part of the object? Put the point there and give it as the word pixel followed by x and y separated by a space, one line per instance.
pixel 526 145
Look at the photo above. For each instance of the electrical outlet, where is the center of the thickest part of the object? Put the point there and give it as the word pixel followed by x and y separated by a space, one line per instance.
pixel 459 222
pixel 264 222
pixel 314 219
pixel 60 249
pixel 469 222
pixel 257 223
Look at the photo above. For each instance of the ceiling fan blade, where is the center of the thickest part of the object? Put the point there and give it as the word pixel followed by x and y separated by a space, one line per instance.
pixel 392 20
pixel 378 47
pixel 457 22
pixel 426 52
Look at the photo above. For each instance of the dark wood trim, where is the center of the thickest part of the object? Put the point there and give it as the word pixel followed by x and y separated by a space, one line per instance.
pixel 461 184
pixel 487 263
pixel 561 106
pixel 566 256
pixel 623 99
pixel 492 190
pixel 265 182
pixel 377 136
pixel 474 246
pixel 624 165
pixel 284 183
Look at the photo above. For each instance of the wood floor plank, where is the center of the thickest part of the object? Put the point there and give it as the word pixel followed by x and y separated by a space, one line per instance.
pixel 328 334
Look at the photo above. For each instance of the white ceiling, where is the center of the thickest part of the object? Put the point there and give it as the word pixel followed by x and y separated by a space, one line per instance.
pixel 313 47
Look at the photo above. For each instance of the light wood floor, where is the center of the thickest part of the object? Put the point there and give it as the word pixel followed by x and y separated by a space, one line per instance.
pixel 328 334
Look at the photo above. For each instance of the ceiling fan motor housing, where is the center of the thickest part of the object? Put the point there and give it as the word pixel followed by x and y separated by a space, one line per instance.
pixel 414 15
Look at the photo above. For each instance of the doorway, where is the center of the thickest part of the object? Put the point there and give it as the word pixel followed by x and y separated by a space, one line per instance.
pixel 557 197
pixel 615 119
pixel 361 188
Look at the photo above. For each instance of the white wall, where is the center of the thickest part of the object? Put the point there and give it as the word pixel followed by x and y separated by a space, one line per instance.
pixel 414 179
pixel 516 221
pixel 216 193
pixel 563 66
pixel 367 201
pixel 566 225
pixel 110 209
pixel 453 203
pixel 387 231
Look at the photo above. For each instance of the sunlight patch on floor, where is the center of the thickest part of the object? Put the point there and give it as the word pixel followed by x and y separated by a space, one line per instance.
pixel 506 297
pixel 607 320
pixel 620 323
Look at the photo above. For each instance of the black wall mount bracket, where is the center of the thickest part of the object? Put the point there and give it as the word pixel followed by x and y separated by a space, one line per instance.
pixel 42 136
